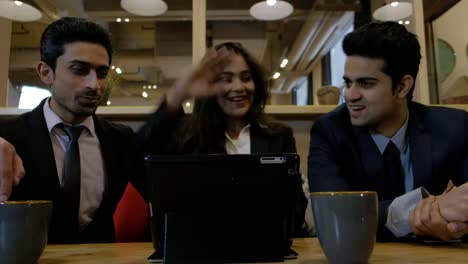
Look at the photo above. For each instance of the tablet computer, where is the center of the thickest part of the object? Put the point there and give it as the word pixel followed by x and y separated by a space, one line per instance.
pixel 221 208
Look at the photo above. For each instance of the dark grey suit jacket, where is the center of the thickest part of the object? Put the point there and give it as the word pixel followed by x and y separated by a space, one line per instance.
pixel 343 157
pixel 30 136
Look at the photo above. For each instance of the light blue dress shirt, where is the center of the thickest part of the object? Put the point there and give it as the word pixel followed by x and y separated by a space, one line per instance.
pixel 400 139
pixel 398 211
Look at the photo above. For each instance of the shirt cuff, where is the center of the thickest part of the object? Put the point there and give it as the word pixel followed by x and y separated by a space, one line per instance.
pixel 398 211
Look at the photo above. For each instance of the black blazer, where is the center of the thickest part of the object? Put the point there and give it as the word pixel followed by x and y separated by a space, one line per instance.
pixel 158 137
pixel 343 157
pixel 30 136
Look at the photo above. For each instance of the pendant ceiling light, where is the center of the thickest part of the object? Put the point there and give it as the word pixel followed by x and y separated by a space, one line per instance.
pixel 144 7
pixel 271 10
pixel 19 11
pixel 393 11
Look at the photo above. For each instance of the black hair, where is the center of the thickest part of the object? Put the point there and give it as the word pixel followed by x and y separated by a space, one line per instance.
pixel 207 124
pixel 71 29
pixel 392 43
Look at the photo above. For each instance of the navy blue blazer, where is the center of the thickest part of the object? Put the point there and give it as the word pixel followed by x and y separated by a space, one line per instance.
pixel 343 157
pixel 30 136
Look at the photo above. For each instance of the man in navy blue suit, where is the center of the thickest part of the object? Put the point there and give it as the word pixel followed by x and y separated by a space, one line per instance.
pixel 380 140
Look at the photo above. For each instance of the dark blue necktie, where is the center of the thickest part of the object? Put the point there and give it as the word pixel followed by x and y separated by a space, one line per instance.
pixel 394 176
pixel 72 177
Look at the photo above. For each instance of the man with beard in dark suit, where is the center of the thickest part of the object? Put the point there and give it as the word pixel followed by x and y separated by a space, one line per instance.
pixel 75 59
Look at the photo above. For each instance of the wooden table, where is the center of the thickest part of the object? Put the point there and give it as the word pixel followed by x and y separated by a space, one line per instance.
pixel 308 248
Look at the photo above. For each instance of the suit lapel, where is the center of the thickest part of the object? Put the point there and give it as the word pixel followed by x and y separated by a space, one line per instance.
pixel 258 141
pixel 420 147
pixel 41 148
pixel 371 159
pixel 107 156
pixel 115 176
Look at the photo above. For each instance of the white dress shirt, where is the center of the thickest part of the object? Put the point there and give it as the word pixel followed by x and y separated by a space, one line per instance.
pixel 240 145
pixel 91 163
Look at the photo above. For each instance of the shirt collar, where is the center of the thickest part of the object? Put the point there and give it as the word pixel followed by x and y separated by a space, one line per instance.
pixel 243 131
pixel 52 119
pixel 399 138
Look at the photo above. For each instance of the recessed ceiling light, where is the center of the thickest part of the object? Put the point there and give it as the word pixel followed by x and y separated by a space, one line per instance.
pixel 284 63
pixel 127 19
pixel 118 19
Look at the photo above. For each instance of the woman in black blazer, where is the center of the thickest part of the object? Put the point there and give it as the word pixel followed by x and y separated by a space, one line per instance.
pixel 230 92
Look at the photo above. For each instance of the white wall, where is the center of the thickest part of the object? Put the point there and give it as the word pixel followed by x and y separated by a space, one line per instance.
pixel 451 27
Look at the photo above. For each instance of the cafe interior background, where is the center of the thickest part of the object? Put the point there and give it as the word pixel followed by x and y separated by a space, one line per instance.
pixel 298 43
pixel 300 52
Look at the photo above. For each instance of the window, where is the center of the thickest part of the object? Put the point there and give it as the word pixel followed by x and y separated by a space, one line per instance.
pixel 31 96
pixel 337 62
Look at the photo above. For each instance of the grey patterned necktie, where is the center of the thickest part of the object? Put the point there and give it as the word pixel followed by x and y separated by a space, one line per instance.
pixel 72 176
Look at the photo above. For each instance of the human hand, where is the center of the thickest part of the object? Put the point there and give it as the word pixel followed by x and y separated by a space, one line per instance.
pixel 11 169
pixel 202 81
pixel 449 187
pixel 426 220
pixel 458 228
pixel 454 204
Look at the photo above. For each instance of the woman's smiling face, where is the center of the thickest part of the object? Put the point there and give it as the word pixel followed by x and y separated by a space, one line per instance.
pixel 238 88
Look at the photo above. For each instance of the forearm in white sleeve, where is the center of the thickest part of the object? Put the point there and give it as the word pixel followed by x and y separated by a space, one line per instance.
pixel 398 211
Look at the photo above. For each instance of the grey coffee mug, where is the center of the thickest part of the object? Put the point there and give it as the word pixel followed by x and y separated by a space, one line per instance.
pixel 346 224
pixel 24 227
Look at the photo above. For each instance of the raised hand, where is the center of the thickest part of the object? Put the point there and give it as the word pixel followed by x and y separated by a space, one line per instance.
pixel 202 81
